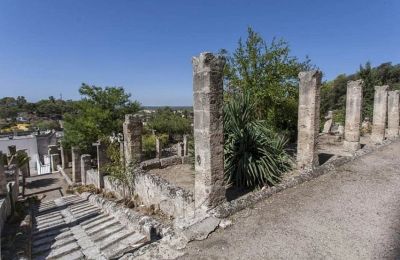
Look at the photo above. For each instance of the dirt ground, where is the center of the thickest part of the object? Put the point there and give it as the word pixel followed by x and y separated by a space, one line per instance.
pixel 351 213
pixel 182 175
pixel 51 186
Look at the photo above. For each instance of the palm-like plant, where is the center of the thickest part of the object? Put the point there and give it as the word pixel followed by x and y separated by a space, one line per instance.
pixel 254 155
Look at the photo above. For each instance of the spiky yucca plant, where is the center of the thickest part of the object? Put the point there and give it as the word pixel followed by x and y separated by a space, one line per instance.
pixel 254 155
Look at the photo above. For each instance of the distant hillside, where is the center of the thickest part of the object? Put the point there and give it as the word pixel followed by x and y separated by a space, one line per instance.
pixel 333 93
pixel 172 107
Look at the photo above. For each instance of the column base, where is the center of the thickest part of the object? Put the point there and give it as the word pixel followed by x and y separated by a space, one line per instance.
pixel 392 133
pixel 351 146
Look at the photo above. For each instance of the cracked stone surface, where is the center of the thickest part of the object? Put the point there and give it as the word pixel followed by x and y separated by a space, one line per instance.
pixel 351 213
pixel 73 228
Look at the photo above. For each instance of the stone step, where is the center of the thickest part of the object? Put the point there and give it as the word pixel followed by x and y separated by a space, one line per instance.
pixel 48 217
pixel 49 239
pixel 107 232
pixel 96 220
pixel 85 210
pixel 56 233
pixel 81 207
pixel 59 243
pixel 63 251
pixel 118 248
pixel 47 224
pixel 93 230
pixel 114 238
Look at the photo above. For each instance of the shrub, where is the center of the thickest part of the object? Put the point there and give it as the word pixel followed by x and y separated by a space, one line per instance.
pixel 254 155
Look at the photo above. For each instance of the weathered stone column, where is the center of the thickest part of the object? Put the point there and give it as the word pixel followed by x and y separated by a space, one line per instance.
pixel 133 128
pixel 3 177
pixel 76 164
pixel 393 114
pixel 101 161
pixel 64 162
pixel 209 188
pixel 308 121
pixel 179 149
pixel 380 112
pixel 85 166
pixel 158 148
pixel 185 145
pixel 54 161
pixel 353 115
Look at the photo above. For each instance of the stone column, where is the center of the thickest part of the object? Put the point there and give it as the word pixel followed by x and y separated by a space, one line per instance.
pixel 353 115
pixel 180 149
pixel 64 162
pixel 54 161
pixel 158 148
pixel 133 128
pixel 3 177
pixel 308 121
pixel 76 164
pixel 393 114
pixel 85 166
pixel 380 112
pixel 185 145
pixel 101 161
pixel 209 188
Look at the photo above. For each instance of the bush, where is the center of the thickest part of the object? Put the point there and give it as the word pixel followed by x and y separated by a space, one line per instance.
pixel 254 155
pixel 149 144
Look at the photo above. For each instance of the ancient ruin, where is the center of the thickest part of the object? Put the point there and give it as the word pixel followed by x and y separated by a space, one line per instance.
pixel 308 124
pixel 393 114
pixel 208 130
pixel 353 115
pixel 380 114
pixel 132 129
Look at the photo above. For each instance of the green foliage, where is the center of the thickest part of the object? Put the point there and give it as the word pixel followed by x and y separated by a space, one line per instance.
pixel 165 121
pixel 21 158
pixel 270 74
pixel 149 144
pixel 254 155
pixel 45 124
pixel 100 113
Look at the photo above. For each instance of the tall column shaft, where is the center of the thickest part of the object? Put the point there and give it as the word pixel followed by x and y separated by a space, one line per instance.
pixel 101 161
pixel 353 115
pixel 133 128
pixel 393 114
pixel 76 164
pixel 208 130
pixel 85 166
pixel 308 120
pixel 380 112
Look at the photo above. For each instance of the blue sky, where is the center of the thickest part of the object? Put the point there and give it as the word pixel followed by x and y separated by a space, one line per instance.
pixel 50 47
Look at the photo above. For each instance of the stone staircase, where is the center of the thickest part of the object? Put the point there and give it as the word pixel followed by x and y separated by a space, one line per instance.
pixel 73 228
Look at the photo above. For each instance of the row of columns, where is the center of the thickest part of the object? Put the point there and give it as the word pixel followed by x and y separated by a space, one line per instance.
pixel 386 109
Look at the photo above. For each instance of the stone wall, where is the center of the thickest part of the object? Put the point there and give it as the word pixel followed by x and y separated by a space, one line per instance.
pixel 172 200
pixel 92 177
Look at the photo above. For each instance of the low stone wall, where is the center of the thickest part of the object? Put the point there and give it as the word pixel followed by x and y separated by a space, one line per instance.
pixel 119 189
pixel 6 204
pixel 163 162
pixel 92 177
pixel 154 190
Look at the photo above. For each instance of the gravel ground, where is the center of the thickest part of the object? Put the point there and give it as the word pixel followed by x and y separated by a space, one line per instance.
pixel 352 213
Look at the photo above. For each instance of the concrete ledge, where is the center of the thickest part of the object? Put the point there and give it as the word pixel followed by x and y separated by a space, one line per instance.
pixel 228 208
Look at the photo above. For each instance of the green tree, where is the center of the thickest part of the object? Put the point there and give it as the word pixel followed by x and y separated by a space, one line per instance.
pixel 165 121
pixel 270 74
pixel 100 113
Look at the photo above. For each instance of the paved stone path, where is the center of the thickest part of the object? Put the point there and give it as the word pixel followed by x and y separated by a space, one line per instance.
pixel 72 228
pixel 352 213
